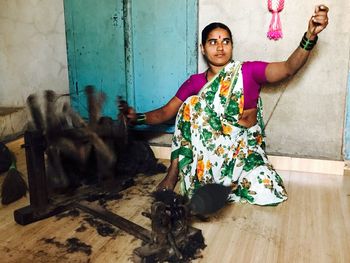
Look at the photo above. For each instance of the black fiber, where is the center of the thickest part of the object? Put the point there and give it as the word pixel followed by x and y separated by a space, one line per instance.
pixel 13 187
pixel 209 199
pixel 5 158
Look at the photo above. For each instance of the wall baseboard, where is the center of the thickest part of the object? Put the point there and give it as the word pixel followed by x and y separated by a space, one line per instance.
pixel 285 163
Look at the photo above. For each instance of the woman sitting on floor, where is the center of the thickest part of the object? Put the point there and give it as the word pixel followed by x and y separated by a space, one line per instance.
pixel 219 129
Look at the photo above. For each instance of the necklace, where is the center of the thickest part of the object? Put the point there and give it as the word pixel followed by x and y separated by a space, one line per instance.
pixel 206 75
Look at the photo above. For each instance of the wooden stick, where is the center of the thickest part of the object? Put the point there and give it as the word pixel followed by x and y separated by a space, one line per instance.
pixel 118 221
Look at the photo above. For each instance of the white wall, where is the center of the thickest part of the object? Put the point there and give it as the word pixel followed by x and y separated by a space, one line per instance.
pixel 32 49
pixel 309 118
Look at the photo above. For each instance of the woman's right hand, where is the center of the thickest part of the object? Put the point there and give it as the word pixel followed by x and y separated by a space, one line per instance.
pixel 157 116
pixel 126 111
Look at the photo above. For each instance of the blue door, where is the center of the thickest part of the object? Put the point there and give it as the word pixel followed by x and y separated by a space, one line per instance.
pixel 164 49
pixel 141 50
pixel 95 50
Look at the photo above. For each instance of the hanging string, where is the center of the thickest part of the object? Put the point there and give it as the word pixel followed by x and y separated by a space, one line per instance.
pixel 275 28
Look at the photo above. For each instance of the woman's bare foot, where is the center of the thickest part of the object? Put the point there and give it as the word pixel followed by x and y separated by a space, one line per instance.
pixel 170 180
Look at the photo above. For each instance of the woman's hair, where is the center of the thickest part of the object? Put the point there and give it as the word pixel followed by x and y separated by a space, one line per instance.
pixel 211 27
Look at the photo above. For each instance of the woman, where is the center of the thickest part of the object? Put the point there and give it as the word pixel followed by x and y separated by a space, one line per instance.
pixel 218 133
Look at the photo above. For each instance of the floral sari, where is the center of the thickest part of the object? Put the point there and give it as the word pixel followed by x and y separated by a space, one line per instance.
pixel 213 148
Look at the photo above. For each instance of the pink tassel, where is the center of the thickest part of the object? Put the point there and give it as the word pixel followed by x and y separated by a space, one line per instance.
pixel 275 28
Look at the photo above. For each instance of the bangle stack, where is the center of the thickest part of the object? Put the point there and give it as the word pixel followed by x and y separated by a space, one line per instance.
pixel 307 44
pixel 140 118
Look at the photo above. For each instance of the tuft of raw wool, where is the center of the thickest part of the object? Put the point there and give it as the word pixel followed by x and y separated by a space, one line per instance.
pixel 13 187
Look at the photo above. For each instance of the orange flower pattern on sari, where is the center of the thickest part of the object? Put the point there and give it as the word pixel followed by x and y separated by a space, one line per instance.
pixel 242 144
pixel 194 100
pixel 200 169
pixel 241 105
pixel 194 126
pixel 259 139
pixel 220 150
pixel 187 112
pixel 235 154
pixel 224 88
pixel 208 165
pixel 226 129
pixel 266 181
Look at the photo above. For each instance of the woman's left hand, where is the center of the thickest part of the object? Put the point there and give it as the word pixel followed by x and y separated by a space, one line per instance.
pixel 318 21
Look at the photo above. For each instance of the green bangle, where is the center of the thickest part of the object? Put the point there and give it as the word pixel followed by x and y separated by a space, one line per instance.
pixel 308 44
pixel 140 118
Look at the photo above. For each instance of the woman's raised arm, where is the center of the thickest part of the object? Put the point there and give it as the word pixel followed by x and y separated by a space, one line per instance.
pixel 277 71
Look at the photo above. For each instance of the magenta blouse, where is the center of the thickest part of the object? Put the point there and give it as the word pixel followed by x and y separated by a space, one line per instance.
pixel 253 77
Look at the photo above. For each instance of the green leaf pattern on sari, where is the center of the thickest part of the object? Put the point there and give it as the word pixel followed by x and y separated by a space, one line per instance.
pixel 253 160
